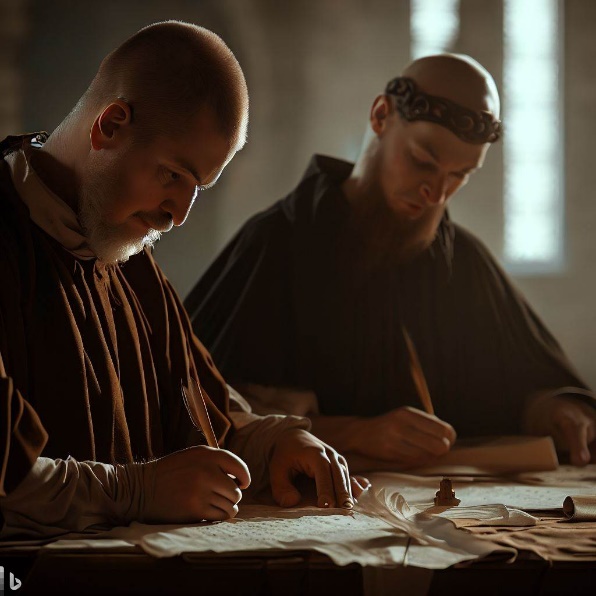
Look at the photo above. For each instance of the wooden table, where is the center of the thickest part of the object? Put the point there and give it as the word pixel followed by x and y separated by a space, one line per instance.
pixel 284 574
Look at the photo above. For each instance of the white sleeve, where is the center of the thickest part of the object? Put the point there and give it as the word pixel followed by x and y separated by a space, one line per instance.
pixel 60 496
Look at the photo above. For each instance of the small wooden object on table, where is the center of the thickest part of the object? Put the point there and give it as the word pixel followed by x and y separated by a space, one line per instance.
pixel 445 496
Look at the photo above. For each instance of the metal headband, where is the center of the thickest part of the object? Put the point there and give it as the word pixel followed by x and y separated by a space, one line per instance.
pixel 471 126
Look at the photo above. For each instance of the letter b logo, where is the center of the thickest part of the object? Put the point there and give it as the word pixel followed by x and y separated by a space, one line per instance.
pixel 15 582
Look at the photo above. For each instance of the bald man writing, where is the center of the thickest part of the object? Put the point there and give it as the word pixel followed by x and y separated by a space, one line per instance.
pixel 305 308
pixel 102 382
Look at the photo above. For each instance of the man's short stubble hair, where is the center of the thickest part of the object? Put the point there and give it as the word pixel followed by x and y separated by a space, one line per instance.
pixel 167 72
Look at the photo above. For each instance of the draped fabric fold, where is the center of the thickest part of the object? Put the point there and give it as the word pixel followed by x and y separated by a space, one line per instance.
pixel 91 355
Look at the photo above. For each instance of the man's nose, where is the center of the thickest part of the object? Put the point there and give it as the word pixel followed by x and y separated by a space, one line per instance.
pixel 178 207
pixel 434 193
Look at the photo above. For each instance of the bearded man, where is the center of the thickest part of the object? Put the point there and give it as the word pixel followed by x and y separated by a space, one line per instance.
pixel 102 381
pixel 305 309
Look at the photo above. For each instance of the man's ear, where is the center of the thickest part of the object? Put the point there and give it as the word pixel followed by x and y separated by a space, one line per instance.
pixel 379 113
pixel 111 126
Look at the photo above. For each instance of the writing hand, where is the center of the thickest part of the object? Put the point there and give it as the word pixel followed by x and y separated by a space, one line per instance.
pixel 299 452
pixel 404 435
pixel 194 485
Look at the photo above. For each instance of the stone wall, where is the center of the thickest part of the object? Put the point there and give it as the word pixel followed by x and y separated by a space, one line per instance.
pixel 313 68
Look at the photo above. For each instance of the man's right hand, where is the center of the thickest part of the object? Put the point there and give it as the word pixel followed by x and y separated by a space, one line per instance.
pixel 405 435
pixel 195 485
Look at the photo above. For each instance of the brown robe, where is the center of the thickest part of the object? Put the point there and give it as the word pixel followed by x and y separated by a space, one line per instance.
pixel 92 357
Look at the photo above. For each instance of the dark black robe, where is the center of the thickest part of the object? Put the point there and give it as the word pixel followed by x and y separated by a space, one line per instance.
pixel 283 305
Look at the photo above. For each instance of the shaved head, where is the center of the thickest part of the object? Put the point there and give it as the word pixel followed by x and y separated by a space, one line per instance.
pixel 167 72
pixel 161 119
pixel 458 78
pixel 427 134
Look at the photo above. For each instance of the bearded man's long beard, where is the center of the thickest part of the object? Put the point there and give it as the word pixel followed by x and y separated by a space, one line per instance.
pixel 382 239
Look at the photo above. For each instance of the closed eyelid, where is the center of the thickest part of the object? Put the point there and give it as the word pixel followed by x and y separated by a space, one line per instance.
pixel 428 162
pixel 426 165
pixel 420 154
pixel 429 153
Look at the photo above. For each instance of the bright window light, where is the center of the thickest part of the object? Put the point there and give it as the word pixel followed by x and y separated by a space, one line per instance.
pixel 533 202
pixel 434 26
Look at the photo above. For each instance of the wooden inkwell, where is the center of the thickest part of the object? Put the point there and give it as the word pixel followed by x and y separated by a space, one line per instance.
pixel 445 496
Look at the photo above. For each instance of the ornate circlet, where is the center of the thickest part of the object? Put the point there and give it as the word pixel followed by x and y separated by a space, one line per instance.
pixel 471 126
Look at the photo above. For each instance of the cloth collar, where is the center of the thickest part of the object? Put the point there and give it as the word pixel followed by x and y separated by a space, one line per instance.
pixel 47 210
pixel 336 169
